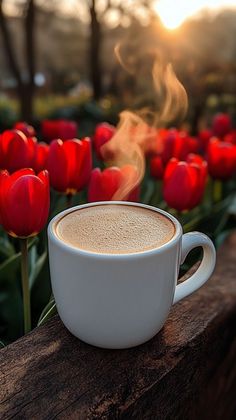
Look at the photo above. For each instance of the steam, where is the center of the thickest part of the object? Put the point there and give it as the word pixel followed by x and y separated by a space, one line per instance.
pixel 163 100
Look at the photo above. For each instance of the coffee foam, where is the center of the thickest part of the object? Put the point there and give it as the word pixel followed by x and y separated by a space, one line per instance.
pixel 115 229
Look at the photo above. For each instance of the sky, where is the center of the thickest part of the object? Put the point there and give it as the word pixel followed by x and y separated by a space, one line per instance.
pixel 174 13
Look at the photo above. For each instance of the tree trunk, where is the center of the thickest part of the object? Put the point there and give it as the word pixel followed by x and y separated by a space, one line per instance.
pixel 7 45
pixel 198 111
pixel 95 48
pixel 27 100
pixel 25 90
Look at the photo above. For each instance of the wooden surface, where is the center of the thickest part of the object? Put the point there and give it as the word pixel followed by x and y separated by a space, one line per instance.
pixel 188 371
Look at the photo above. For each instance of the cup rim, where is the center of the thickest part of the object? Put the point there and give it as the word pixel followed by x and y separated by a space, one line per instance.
pixel 72 249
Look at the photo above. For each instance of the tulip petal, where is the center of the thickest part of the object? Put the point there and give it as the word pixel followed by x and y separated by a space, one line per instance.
pixel 170 168
pixel 27 205
pixel 25 128
pixel 44 177
pixel 4 175
pixel 156 167
pixel 103 185
pixel 94 185
pixel 193 158
pixel 221 158
pixel 57 166
pixel 19 152
pixel 129 181
pixel 178 187
pixel 20 173
pixel 73 150
pixel 103 133
pixel 40 157
pixel 86 164
pixel 110 182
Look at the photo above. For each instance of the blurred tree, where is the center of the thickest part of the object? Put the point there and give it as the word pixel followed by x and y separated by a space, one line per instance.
pixel 99 11
pixel 205 61
pixel 25 84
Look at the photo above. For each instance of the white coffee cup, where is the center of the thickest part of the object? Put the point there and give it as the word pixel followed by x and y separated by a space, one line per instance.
pixel 122 300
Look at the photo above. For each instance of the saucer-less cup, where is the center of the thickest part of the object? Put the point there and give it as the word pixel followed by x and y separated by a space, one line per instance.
pixel 122 300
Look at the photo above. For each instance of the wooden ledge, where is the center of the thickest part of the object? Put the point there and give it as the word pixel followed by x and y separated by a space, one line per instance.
pixel 188 371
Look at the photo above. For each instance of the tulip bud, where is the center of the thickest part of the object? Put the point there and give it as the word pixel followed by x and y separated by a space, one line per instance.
pixel 103 133
pixel 184 182
pixel 16 150
pixel 156 167
pixel 230 137
pixel 221 125
pixel 204 138
pixel 27 129
pixel 221 158
pixel 69 164
pixel 58 129
pixel 178 144
pixel 24 202
pixel 105 185
pixel 40 157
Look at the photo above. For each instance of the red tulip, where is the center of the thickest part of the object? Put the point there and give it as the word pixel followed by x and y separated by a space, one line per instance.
pixel 24 202
pixel 156 167
pixel 27 129
pixel 221 157
pixel 146 137
pixel 16 150
pixel 58 129
pixel 184 182
pixel 221 125
pixel 178 144
pixel 231 137
pixel 204 138
pixel 40 157
pixel 69 164
pixel 202 178
pixel 103 133
pixel 113 184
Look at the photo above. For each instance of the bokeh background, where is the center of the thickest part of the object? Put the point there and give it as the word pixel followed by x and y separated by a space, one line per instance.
pixel 57 57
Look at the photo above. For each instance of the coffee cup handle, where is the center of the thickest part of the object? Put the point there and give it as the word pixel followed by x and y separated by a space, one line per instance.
pixel 189 241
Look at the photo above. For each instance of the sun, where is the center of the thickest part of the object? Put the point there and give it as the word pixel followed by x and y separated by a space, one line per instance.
pixel 173 14
pixel 172 21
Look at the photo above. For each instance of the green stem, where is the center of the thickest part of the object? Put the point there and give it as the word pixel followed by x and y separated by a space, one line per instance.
pixel 179 216
pixel 156 197
pixel 205 215
pixel 69 200
pixel 217 190
pixel 25 285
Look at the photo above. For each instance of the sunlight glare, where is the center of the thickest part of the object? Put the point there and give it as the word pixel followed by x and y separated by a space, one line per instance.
pixel 173 14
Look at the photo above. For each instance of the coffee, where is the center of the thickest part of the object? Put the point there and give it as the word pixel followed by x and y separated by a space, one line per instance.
pixel 115 229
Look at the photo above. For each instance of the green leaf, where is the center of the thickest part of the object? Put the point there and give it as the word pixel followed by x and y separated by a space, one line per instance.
pixel 59 205
pixel 6 247
pixel 221 237
pixel 41 289
pixel 147 191
pixel 37 264
pixel 11 314
pixel 2 344
pixel 232 209
pixel 49 311
pixel 11 311
pixel 11 264
pixel 210 220
pixel 9 267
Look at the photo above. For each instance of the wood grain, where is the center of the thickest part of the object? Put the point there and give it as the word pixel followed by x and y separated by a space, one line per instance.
pixel 188 371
